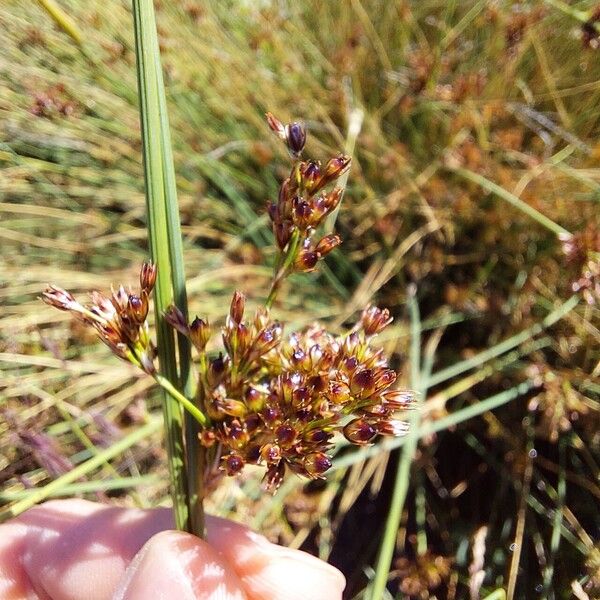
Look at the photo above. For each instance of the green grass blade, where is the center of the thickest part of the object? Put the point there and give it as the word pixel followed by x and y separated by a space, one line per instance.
pixel 494 188
pixel 402 482
pixel 86 487
pixel 54 487
pixel 193 450
pixel 506 345
pixel 157 180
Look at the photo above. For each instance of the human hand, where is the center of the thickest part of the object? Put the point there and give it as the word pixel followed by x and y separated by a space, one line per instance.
pixel 80 550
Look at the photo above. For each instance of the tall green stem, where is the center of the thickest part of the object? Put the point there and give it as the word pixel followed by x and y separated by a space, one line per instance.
pixel 402 482
pixel 165 242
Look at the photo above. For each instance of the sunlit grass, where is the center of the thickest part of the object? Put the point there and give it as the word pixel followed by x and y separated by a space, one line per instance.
pixel 478 145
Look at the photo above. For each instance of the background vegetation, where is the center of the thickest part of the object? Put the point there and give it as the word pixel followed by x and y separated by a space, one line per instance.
pixel 474 128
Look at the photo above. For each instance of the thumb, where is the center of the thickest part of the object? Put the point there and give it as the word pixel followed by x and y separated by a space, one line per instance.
pixel 178 566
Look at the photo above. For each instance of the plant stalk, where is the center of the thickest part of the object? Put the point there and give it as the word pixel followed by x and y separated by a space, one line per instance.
pixel 158 180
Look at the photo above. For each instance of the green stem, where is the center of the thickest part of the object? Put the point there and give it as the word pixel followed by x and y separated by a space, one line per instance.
pixel 281 272
pixel 402 482
pixel 148 67
pixel 62 19
pixel 198 415
pixel 193 450
pixel 494 188
pixel 54 487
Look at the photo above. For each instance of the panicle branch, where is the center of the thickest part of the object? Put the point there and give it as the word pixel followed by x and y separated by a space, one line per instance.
pixel 302 206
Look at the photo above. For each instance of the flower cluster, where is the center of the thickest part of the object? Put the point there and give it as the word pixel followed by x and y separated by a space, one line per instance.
pixel 582 252
pixel 303 203
pixel 119 319
pixel 269 399
pixel 278 401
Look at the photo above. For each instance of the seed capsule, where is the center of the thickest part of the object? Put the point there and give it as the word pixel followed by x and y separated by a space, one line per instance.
pixel 306 260
pixel 148 276
pixel 199 333
pixel 236 311
pixel 232 464
pixel 270 453
pixel 316 464
pixel 296 138
pixel 359 431
pixel 285 435
pixel 327 244
pixel 362 382
pixel 374 319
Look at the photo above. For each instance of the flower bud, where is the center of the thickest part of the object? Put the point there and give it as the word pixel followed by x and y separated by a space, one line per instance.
pixel 374 319
pixel 273 211
pixel 207 437
pixel 306 260
pixel 398 399
pixel 359 431
pixel 332 199
pixel 282 232
pixel 384 378
pixel 233 408
pixel 302 213
pixel 61 299
pixel 120 299
pixel 335 167
pixel 199 333
pixel 138 307
pixel 175 318
pixel 268 338
pixel 276 125
pixel 232 464
pixel 216 370
pixel 327 244
pixel 316 464
pixel 236 311
pixel 309 174
pixel 296 138
pixel 148 276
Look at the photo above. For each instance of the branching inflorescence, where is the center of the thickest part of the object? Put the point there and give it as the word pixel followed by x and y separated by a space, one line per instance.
pixel 267 398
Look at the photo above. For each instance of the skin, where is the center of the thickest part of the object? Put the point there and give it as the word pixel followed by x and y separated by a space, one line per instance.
pixel 80 550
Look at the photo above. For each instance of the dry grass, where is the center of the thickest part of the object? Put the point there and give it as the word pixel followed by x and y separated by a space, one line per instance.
pixel 457 98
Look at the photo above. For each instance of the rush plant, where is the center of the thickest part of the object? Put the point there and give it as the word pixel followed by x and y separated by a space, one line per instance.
pixel 260 396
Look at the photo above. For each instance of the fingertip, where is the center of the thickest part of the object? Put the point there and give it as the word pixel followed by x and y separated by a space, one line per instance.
pixel 271 571
pixel 14 582
pixel 173 564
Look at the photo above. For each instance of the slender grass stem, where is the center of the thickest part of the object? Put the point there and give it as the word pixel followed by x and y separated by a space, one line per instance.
pixel 148 68
pixel 402 482
pixel 193 450
pixel 558 517
pixel 185 403
pixel 494 188
pixel 54 487
pixel 283 270
pixel 62 19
